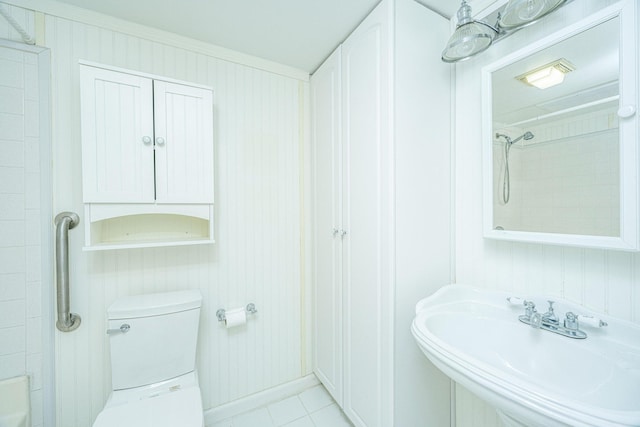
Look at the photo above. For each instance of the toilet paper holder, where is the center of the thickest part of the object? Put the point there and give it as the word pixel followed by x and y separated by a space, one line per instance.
pixel 221 313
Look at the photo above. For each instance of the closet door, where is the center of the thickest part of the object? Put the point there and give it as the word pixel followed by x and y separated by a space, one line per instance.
pixel 367 207
pixel 183 143
pixel 117 136
pixel 327 225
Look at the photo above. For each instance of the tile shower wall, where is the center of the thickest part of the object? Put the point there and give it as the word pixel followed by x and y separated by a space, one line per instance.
pixel 20 279
pixel 257 255
pixel 603 280
pixel 566 179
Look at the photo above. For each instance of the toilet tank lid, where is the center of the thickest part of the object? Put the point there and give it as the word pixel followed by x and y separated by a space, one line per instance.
pixel 154 304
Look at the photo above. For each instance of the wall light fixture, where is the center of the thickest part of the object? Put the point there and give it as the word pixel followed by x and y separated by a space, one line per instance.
pixel 472 37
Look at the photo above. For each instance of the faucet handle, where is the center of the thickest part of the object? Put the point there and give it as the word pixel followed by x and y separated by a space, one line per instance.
pixel 591 321
pixel 571 321
pixel 550 316
pixel 515 300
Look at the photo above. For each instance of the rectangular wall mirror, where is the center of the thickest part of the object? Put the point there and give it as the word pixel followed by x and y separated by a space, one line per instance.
pixel 560 137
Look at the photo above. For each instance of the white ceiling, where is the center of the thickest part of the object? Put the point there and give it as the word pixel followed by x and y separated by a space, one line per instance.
pixel 298 33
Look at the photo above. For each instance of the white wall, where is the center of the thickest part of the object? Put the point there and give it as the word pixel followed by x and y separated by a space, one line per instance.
pixel 23 207
pixel 423 205
pixel 603 280
pixel 259 139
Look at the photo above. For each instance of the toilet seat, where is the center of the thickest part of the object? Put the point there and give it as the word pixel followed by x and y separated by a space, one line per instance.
pixel 180 408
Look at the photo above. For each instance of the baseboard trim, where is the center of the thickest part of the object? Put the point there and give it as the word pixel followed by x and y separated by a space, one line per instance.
pixel 259 399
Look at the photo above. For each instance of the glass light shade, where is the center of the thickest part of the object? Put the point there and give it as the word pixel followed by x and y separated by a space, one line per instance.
pixel 522 12
pixel 469 39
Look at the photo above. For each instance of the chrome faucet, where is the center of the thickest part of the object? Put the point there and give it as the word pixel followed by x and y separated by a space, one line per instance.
pixel 549 321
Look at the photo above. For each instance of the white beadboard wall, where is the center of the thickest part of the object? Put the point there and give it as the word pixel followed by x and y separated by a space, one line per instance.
pixel 603 280
pixel 258 117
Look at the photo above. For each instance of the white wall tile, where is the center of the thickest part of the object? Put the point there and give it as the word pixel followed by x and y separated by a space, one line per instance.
pixel 12 313
pixel 34 335
pixel 11 127
pixel 12 365
pixel 20 305
pixel 12 69
pixel 12 340
pixel 12 260
pixel 11 100
pixel 12 286
pixel 31 155
pixel 34 300
pixel 12 233
pixel 11 153
pixel 11 180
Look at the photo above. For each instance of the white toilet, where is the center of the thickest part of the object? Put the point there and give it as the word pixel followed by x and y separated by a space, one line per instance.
pixel 153 342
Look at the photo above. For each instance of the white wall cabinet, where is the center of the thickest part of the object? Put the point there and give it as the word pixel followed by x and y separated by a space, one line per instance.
pixel 147 160
pixel 381 214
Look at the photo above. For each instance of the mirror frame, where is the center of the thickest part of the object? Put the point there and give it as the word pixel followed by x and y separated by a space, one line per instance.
pixel 629 238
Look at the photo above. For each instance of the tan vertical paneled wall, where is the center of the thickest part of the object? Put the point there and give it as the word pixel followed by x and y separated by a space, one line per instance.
pixel 257 254
pixel 603 280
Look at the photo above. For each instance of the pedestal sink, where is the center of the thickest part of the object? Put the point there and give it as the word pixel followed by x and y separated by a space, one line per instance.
pixel 533 377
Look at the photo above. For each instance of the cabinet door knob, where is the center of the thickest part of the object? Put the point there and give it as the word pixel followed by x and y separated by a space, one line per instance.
pixel 146 140
pixel 335 232
pixel 159 140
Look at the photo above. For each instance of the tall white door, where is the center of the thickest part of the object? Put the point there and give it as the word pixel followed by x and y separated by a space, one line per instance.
pixel 327 225
pixel 367 208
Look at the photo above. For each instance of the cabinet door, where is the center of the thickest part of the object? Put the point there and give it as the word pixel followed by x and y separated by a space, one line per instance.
pixel 183 143
pixel 327 225
pixel 117 136
pixel 368 220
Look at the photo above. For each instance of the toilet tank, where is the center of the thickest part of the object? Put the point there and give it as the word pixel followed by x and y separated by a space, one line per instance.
pixel 160 341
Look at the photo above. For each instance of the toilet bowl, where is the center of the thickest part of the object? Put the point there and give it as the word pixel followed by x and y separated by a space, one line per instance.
pixel 153 342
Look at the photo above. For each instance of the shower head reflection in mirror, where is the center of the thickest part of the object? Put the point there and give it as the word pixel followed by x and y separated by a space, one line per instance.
pixel 506 184
pixel 576 182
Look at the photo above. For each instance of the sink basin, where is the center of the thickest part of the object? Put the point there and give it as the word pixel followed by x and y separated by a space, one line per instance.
pixel 531 376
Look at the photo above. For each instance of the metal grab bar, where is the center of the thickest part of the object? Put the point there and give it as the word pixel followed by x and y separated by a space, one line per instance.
pixel 64 222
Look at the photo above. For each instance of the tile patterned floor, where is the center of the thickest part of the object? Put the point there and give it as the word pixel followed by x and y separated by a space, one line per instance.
pixel 311 408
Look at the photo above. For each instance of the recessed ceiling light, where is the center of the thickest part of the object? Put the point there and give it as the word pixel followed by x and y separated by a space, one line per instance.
pixel 547 75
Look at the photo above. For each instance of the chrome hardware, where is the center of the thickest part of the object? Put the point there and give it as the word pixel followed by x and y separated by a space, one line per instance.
pixel 571 321
pixel 160 140
pixel 535 320
pixel 550 316
pixel 64 222
pixel 221 314
pixel 342 234
pixel 550 322
pixel 335 232
pixel 123 329
pixel 529 308
pixel 146 140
